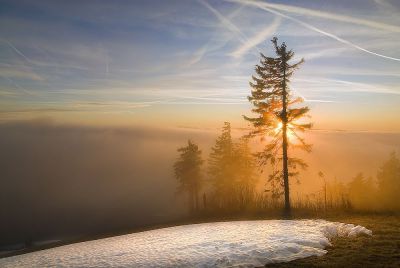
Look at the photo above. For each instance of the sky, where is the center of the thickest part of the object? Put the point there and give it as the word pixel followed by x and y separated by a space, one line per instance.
pixel 188 63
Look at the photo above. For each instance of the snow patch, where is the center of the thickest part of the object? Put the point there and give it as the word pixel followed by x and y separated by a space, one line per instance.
pixel 219 244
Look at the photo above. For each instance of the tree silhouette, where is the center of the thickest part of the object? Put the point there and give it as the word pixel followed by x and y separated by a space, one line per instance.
pixel 231 170
pixel 187 170
pixel 389 182
pixel 220 165
pixel 244 172
pixel 278 116
pixel 362 192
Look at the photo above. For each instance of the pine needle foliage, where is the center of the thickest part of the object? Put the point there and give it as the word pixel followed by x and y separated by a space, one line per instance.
pixel 279 118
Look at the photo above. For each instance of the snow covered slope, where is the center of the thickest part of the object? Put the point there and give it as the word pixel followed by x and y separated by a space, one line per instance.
pixel 219 244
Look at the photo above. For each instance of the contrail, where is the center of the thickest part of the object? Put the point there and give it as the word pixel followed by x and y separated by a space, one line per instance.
pixel 18 51
pixel 325 15
pixel 199 53
pixel 313 28
pixel 353 86
pixel 260 37
pixel 227 23
pixel 18 86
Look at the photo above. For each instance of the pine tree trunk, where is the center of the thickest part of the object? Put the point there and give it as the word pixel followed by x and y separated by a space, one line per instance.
pixel 285 171
pixel 285 145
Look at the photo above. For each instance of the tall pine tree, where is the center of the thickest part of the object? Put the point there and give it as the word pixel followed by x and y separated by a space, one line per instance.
pixel 278 116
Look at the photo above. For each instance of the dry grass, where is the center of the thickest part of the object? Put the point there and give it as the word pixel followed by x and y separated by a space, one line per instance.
pixel 380 250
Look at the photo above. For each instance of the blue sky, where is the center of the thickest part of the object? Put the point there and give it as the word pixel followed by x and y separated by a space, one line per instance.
pixel 189 62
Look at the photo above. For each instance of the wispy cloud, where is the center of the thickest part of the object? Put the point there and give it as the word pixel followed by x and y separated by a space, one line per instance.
pixel 199 54
pixel 327 52
pixel 265 7
pixel 258 38
pixel 297 93
pixel 225 21
pixel 339 85
pixel 214 43
pixel 324 15
pixel 17 86
pixel 13 72
pixel 318 100
pixel 8 93
pixel 388 7
pixel 348 71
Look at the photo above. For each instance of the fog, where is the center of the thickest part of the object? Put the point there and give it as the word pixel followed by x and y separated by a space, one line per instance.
pixel 343 154
pixel 71 179
pixel 64 180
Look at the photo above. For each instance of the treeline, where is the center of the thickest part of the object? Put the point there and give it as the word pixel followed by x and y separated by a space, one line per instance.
pixel 361 193
pixel 228 180
pixel 228 183
pixel 371 193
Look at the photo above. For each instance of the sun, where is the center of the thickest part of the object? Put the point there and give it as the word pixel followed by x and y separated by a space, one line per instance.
pixel 290 133
pixel 279 127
